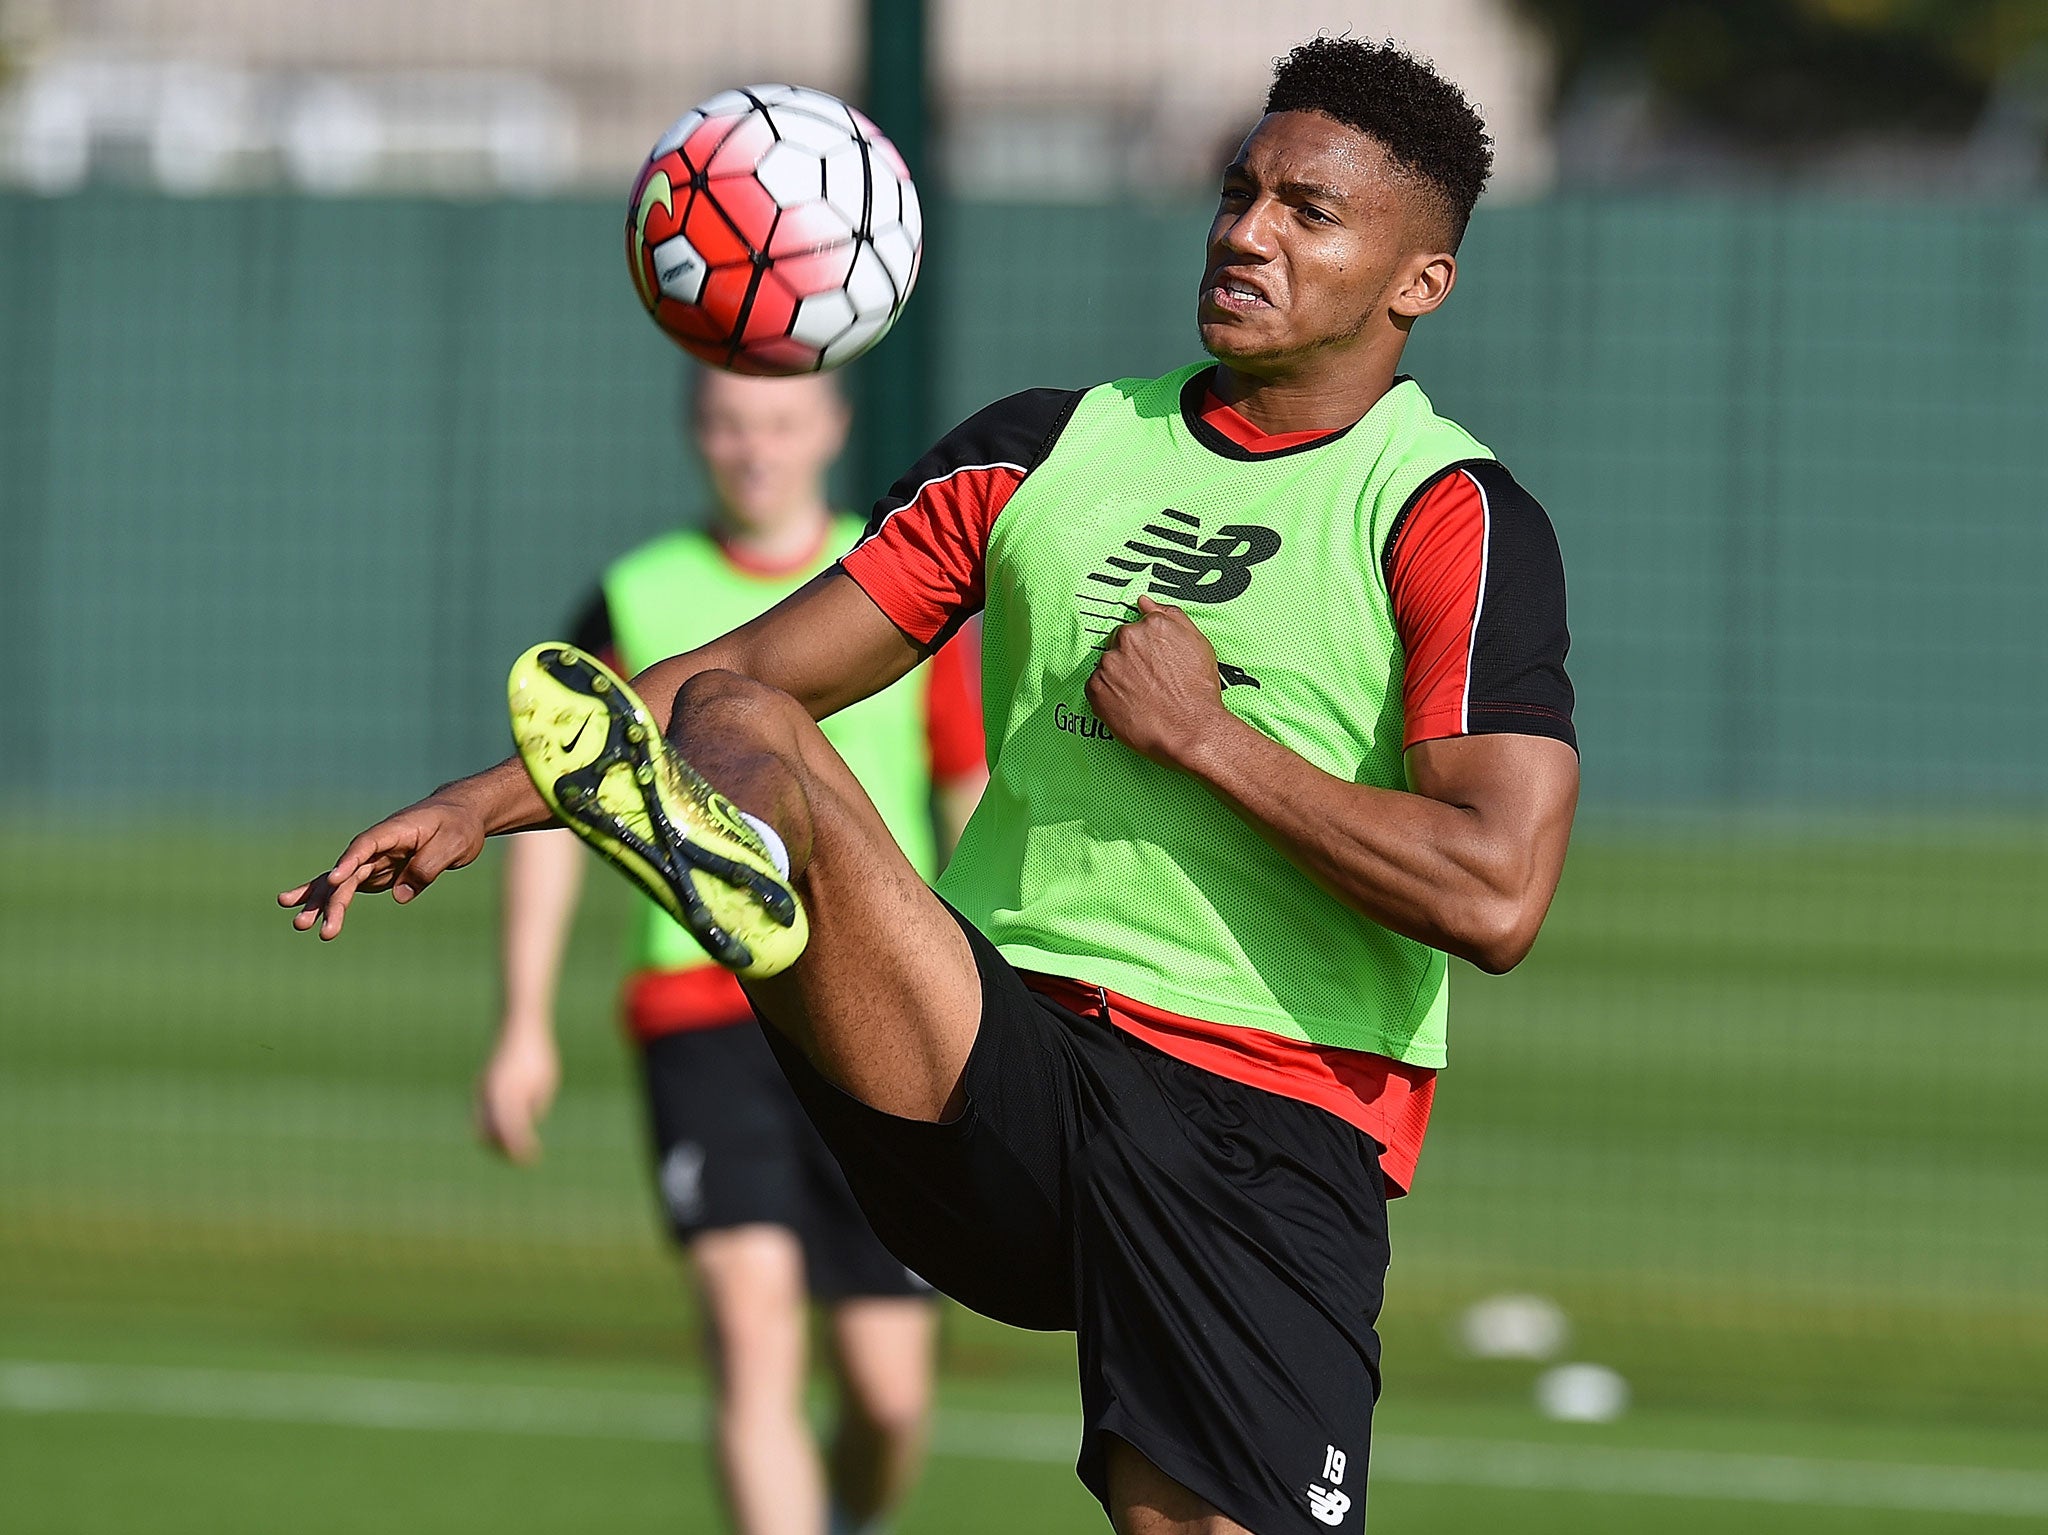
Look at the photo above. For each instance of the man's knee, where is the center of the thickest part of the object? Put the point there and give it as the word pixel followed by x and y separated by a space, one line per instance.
pixel 889 1410
pixel 737 701
pixel 885 1349
pixel 751 1279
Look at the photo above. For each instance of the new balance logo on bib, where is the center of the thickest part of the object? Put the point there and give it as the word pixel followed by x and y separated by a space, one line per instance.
pixel 1182 565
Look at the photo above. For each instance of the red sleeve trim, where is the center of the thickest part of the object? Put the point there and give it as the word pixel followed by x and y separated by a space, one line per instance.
pixel 953 730
pixel 1437 578
pixel 921 558
pixel 922 563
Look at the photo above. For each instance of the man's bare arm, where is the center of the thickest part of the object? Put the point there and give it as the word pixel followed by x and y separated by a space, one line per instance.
pixel 1466 863
pixel 543 878
pixel 827 645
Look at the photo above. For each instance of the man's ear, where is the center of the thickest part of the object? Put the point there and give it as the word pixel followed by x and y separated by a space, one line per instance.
pixel 1425 285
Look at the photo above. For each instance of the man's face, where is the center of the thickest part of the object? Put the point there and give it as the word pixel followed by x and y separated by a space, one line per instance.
pixel 1313 237
pixel 767 443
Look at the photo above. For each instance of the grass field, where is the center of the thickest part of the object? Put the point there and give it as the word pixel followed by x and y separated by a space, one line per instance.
pixel 1763 1114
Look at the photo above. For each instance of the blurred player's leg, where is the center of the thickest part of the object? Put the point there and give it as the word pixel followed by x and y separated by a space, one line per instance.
pixel 756 1315
pixel 885 999
pixel 882 1347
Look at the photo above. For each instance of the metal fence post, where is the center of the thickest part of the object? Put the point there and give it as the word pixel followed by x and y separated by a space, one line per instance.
pixel 898 382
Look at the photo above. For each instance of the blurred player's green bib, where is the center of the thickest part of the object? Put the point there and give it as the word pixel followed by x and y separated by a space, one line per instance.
pixel 1087 860
pixel 680 592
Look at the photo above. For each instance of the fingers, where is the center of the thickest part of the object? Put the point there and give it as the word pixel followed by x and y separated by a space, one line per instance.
pixel 1144 608
pixel 337 909
pixel 510 1135
pixel 324 900
pixel 310 898
pixel 507 1121
pixel 372 860
pixel 441 852
pixel 1149 605
pixel 391 835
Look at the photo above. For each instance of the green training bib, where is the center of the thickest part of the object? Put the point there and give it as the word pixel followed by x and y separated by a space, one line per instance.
pixel 1087 860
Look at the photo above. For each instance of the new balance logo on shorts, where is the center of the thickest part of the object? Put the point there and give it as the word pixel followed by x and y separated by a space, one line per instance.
pixel 1324 1500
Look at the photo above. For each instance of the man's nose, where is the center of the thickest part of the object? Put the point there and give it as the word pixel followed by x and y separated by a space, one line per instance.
pixel 1250 233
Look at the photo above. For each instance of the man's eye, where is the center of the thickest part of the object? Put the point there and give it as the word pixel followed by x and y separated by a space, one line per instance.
pixel 1315 215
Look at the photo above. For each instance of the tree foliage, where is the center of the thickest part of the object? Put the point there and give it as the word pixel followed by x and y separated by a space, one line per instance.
pixel 1787 72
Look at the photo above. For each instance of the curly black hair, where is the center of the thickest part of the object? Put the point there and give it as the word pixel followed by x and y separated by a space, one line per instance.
pixel 1423 121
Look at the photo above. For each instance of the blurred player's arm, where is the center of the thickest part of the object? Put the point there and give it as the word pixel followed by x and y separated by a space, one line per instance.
pixel 516 1088
pixel 827 645
pixel 543 881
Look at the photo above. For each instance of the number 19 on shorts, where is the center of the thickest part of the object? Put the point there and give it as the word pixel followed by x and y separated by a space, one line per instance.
pixel 1324 1500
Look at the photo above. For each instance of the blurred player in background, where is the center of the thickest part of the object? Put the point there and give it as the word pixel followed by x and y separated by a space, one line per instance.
pixel 749 1187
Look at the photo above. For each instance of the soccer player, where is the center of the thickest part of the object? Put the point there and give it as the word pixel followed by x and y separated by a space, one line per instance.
pixel 749 1186
pixel 1278 715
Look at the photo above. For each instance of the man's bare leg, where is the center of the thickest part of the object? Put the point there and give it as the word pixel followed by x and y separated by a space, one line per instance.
pixel 757 1326
pixel 885 1000
pixel 1143 1500
pixel 882 1347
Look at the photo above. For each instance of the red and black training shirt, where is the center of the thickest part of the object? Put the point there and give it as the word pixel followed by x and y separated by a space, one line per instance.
pixel 1476 581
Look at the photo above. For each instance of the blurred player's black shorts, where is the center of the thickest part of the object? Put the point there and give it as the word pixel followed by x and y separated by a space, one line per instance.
pixel 733 1148
pixel 1220 1251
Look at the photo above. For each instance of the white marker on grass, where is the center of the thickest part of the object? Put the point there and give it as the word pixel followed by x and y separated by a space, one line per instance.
pixel 1513 1327
pixel 1581 1393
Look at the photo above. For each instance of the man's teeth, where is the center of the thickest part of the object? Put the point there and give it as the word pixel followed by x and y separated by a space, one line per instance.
pixel 1239 290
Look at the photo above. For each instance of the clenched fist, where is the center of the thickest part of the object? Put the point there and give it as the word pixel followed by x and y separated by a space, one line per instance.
pixel 1157 687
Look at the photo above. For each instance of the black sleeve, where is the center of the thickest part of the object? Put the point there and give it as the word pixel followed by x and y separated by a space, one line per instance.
pixel 1519 682
pixel 1477 583
pixel 1015 433
pixel 923 555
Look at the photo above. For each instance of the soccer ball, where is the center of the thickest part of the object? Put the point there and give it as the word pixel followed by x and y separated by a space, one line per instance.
pixel 774 230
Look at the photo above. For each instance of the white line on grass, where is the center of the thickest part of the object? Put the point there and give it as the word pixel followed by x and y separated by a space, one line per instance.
pixel 1711 1474
pixel 589 1413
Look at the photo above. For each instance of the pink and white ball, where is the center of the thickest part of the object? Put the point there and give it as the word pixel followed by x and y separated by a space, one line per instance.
pixel 774 230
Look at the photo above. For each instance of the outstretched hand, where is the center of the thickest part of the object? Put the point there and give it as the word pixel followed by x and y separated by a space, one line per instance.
pixel 403 853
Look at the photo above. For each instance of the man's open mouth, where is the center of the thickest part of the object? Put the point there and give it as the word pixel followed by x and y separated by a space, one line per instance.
pixel 1232 293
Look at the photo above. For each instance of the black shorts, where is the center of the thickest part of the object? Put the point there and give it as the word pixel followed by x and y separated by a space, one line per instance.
pixel 1219 1250
pixel 733 1148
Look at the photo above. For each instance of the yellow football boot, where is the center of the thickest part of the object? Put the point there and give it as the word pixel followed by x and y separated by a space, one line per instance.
pixel 602 765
